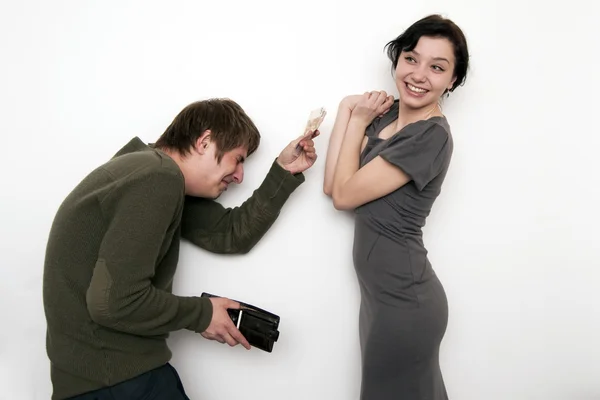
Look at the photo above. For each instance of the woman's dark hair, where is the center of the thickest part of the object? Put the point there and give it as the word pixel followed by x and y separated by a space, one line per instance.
pixel 433 26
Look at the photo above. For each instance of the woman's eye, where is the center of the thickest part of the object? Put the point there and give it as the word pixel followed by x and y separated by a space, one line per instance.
pixel 438 68
pixel 409 59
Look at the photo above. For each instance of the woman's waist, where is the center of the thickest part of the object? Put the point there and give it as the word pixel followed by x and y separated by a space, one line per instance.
pixel 391 226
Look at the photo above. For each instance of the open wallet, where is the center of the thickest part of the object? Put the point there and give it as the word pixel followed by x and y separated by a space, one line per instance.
pixel 258 326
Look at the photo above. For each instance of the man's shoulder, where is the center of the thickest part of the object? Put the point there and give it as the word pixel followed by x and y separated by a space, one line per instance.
pixel 137 169
pixel 139 160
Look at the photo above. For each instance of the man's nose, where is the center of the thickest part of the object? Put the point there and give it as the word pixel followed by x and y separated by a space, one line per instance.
pixel 238 175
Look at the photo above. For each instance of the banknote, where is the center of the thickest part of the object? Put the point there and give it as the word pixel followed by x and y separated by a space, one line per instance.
pixel 315 119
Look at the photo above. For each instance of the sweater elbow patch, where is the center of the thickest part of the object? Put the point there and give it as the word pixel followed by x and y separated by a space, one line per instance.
pixel 97 294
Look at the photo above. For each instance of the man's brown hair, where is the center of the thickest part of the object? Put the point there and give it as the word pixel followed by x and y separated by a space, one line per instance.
pixel 229 124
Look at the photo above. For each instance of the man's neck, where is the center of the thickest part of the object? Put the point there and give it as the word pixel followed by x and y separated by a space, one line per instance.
pixel 178 159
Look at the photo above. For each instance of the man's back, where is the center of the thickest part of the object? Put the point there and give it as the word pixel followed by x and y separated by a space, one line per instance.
pixel 116 232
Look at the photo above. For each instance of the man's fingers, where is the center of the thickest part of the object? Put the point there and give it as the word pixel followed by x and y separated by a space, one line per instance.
pixel 308 143
pixel 239 338
pixel 232 304
pixel 309 150
pixel 227 338
pixel 209 336
pixel 309 135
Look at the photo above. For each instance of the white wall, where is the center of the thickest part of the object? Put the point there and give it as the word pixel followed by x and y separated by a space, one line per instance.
pixel 513 237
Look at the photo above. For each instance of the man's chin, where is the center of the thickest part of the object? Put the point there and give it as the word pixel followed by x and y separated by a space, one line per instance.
pixel 219 193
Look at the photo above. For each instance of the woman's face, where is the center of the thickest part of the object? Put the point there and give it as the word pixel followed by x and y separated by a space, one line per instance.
pixel 423 74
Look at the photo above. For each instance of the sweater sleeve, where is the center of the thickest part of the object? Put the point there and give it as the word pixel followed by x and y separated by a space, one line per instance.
pixel 121 295
pixel 212 227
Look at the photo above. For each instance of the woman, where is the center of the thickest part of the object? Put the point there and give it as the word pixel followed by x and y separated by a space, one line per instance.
pixel 387 160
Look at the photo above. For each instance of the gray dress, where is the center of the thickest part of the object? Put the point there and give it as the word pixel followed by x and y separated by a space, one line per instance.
pixel 404 311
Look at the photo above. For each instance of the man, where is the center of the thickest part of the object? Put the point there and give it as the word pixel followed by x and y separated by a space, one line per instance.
pixel 114 245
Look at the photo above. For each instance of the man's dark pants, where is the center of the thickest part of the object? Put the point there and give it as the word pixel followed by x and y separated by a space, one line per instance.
pixel 157 384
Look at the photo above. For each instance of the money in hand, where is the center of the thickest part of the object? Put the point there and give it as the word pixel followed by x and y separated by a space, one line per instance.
pixel 315 119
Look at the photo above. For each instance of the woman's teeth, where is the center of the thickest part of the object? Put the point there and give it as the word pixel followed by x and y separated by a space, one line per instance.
pixel 415 89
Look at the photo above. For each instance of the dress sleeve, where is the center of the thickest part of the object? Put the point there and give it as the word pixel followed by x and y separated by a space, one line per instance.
pixel 420 151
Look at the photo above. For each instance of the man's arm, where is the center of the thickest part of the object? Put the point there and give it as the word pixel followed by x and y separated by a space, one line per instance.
pixel 121 295
pixel 212 227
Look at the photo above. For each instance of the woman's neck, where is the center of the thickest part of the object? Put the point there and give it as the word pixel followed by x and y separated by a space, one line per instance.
pixel 409 115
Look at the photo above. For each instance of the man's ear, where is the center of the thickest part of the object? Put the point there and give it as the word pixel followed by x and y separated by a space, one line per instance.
pixel 203 142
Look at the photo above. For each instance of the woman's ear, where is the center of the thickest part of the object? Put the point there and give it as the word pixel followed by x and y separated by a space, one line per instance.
pixel 451 84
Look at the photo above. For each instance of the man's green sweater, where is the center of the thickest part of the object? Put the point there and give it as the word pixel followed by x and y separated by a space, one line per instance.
pixel 111 256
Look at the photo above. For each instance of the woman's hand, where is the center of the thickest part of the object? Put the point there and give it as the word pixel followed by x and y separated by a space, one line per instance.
pixel 371 105
pixel 349 102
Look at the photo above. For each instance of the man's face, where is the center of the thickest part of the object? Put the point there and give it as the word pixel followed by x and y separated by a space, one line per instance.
pixel 209 178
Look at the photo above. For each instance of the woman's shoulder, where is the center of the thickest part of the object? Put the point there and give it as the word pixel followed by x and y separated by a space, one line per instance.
pixel 438 123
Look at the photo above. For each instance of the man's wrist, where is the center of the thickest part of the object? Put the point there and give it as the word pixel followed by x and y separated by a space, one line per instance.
pixel 279 163
pixel 284 168
pixel 277 186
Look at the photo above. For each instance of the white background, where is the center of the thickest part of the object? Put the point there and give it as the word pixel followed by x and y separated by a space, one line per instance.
pixel 513 237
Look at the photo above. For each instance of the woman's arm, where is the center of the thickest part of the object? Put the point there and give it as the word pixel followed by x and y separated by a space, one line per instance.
pixel 335 140
pixel 352 186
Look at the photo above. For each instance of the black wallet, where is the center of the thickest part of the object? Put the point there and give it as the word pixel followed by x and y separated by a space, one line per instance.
pixel 258 326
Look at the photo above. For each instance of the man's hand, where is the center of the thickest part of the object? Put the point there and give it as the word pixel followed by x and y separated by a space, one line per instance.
pixel 221 326
pixel 300 154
